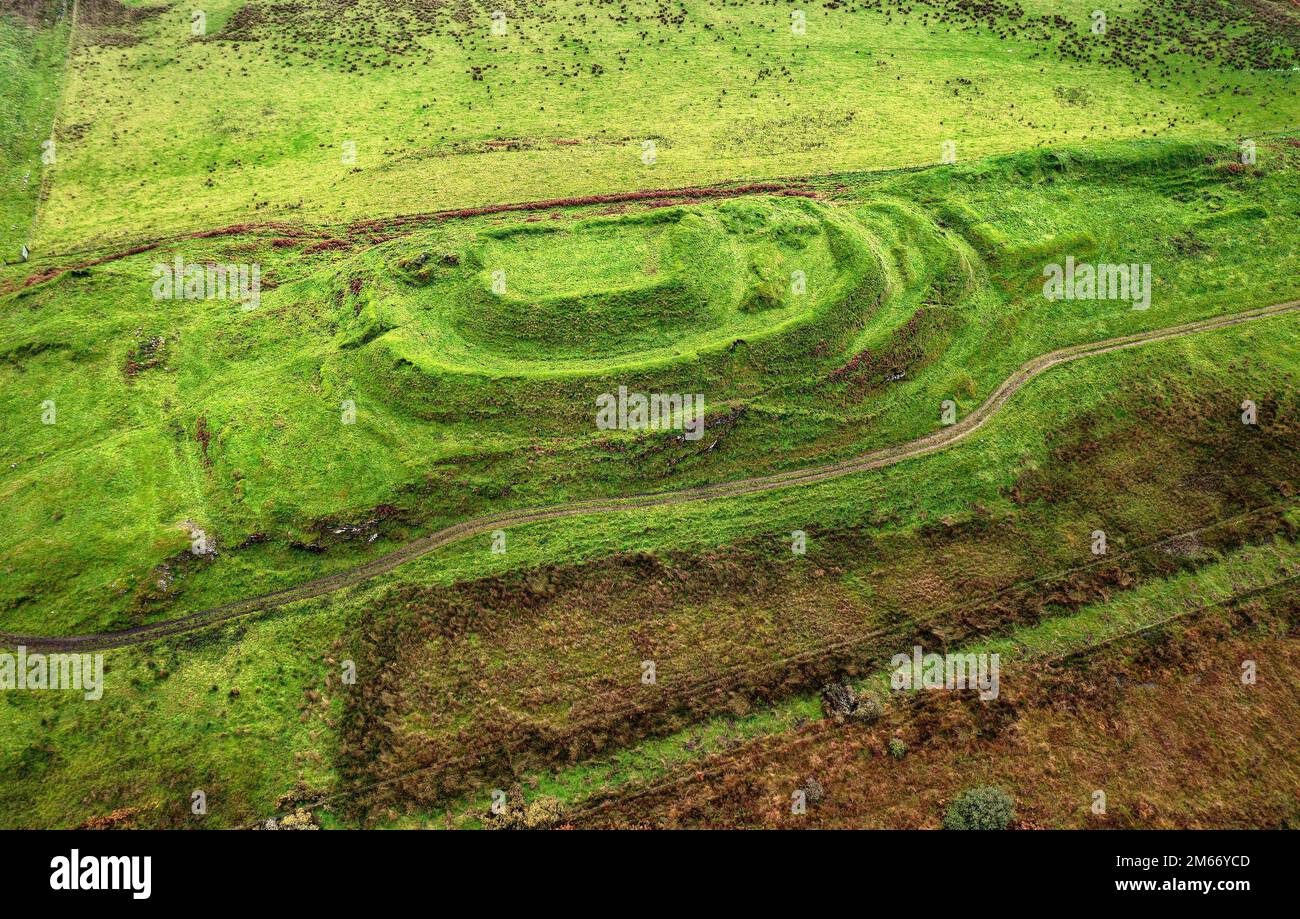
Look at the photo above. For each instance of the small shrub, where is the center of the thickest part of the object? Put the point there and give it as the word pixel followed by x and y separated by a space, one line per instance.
pixel 542 813
pixel 840 702
pixel 813 792
pixel 538 814
pixel 897 749
pixel 984 808
pixel 868 710
pixel 300 819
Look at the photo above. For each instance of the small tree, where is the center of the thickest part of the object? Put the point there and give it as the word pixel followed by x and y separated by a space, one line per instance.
pixel 984 808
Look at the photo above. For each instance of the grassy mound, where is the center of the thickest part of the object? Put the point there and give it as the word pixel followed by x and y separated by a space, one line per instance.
pixel 607 287
pixel 382 389
pixel 629 292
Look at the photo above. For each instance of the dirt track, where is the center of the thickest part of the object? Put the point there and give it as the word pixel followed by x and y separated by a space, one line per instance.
pixel 873 459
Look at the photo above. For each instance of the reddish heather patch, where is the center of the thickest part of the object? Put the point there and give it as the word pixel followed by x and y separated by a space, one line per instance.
pixel 327 245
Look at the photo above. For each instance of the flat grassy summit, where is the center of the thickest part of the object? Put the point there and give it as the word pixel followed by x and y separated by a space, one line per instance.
pixel 652 288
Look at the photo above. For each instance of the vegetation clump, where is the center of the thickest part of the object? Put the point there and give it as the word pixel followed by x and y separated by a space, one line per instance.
pixel 538 814
pixel 985 807
pixel 841 703
pixel 813 792
pixel 300 819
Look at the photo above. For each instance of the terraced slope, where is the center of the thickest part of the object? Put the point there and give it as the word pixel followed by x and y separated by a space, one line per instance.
pixel 875 459
pixel 711 344
pixel 382 391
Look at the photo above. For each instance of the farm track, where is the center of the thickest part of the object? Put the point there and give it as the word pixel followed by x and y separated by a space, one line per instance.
pixel 873 459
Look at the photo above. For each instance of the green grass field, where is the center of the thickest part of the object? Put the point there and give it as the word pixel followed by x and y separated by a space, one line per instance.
pixel 33 52
pixel 388 390
pixel 812 271
pixel 178 131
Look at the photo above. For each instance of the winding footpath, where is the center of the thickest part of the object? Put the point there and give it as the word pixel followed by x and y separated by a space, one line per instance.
pixel 874 459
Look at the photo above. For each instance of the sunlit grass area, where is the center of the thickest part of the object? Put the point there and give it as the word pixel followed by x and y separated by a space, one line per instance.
pixel 273 330
pixel 171 130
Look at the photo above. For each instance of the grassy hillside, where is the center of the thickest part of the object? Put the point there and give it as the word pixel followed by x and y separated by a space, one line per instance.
pixel 241 359
pixel 33 50
pixel 1144 444
pixel 378 391
pixel 167 129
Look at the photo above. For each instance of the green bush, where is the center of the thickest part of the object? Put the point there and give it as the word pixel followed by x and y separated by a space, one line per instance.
pixel 984 808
